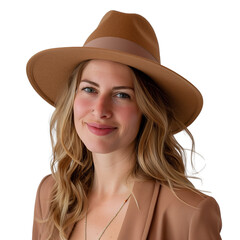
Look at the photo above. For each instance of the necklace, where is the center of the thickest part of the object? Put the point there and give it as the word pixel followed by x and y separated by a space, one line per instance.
pixel 108 223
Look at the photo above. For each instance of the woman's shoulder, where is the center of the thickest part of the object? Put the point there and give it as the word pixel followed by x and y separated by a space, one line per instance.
pixel 46 185
pixel 43 196
pixel 188 198
pixel 183 213
pixel 179 197
pixel 184 207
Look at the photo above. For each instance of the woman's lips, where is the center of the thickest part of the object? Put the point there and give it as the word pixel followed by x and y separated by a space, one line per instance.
pixel 99 129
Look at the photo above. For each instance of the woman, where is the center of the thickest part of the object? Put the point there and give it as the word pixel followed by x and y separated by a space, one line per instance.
pixel 117 170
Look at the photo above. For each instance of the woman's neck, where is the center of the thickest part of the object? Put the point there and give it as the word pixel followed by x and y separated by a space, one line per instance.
pixel 111 174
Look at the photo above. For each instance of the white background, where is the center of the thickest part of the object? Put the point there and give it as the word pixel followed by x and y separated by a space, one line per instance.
pixel 198 39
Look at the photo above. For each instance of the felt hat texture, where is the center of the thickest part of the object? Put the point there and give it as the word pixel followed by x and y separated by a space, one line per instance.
pixel 120 37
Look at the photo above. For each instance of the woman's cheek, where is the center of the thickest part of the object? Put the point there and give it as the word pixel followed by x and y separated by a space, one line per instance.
pixel 130 114
pixel 81 106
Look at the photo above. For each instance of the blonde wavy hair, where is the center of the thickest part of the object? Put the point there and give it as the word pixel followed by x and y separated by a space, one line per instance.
pixel 159 155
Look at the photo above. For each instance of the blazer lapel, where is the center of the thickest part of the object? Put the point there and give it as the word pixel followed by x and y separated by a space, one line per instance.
pixel 138 221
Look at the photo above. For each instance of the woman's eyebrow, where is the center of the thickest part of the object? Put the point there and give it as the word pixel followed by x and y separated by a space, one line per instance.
pixel 114 88
pixel 87 81
pixel 123 87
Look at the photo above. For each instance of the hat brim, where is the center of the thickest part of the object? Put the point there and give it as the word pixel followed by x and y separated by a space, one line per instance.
pixel 49 70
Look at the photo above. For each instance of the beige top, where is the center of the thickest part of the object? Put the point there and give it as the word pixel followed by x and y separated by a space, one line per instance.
pixel 162 216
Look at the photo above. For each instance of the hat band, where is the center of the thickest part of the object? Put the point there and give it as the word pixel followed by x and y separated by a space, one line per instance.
pixel 120 44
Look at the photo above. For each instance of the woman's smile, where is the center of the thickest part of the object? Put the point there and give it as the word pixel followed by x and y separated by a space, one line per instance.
pixel 99 129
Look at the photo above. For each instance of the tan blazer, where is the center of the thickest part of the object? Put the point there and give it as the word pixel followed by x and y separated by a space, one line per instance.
pixel 162 216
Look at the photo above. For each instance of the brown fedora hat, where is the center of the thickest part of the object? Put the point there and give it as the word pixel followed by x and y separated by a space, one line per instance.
pixel 123 38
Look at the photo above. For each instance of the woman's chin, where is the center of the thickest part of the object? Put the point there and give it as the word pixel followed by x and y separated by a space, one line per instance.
pixel 100 149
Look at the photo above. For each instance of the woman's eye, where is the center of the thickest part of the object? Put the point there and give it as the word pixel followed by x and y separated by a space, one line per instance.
pixel 89 90
pixel 122 95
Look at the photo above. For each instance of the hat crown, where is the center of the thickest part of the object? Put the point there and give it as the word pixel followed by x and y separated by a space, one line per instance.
pixel 130 27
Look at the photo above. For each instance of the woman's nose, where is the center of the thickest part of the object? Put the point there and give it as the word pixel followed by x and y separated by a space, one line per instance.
pixel 102 107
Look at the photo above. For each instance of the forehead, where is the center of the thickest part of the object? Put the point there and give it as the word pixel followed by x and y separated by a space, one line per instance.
pixel 108 72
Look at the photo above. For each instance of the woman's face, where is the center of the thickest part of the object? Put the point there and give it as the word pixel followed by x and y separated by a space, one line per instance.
pixel 106 115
